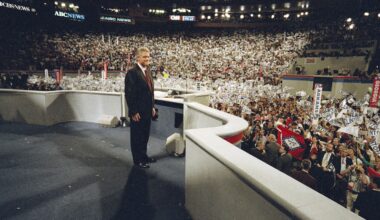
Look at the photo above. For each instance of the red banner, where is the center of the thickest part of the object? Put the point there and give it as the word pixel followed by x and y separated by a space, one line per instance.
pixel 291 140
pixel 375 93
pixel 105 70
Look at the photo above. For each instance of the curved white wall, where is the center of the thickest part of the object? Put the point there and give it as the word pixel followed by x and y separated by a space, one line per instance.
pixel 224 182
pixel 47 108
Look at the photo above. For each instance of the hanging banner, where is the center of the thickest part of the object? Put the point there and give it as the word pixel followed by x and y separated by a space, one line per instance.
pixel 317 102
pixel 375 93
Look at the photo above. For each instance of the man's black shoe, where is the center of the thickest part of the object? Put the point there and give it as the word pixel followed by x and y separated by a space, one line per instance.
pixel 151 160
pixel 142 165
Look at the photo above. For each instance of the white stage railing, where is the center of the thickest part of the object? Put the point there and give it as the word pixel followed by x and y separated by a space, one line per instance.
pixel 224 182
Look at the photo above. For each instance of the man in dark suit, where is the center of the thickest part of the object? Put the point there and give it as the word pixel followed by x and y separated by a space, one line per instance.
pixel 139 93
pixel 303 175
pixel 342 167
pixel 326 178
pixel 284 162
pixel 368 202
pixel 271 149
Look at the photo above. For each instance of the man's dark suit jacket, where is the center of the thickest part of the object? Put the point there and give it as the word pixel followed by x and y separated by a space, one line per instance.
pixel 338 164
pixel 140 99
pixel 305 178
pixel 271 149
pixel 322 154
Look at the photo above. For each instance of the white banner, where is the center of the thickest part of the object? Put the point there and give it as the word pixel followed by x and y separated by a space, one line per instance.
pixel 317 100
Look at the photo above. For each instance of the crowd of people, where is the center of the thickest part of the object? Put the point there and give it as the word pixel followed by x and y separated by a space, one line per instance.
pixel 339 163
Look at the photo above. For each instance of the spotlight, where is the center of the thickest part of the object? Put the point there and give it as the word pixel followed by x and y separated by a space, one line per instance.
pixel 366 14
pixel 241 16
pixel 298 15
pixel 242 8
pixel 63 5
pixel 203 17
pixel 216 14
pixel 286 16
pixel 71 5
pixel 56 3
pixel 209 17
pixel 216 10
pixel 252 15
pixel 302 13
pixel 349 20
pixel 378 15
pixel 272 16
pixel 307 13
pixel 259 15
pixel 351 26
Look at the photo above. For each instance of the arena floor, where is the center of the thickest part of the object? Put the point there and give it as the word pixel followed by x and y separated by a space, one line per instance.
pixel 84 171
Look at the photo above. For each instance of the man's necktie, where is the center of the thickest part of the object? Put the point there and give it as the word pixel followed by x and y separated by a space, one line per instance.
pixel 147 79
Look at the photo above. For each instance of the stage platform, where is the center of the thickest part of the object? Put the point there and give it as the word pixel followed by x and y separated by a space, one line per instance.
pixel 80 170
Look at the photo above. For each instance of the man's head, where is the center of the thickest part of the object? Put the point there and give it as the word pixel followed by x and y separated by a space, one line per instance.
pixel 306 164
pixel 143 56
pixel 272 138
pixel 329 148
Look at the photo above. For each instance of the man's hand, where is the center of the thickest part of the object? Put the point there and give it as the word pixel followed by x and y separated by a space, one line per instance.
pixel 153 112
pixel 136 117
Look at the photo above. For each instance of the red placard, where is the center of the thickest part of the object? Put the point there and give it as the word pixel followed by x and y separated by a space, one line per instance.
pixel 375 93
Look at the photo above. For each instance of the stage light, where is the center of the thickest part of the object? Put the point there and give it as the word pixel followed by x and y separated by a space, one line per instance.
pixel 272 16
pixel 307 13
pixel 56 3
pixel 287 5
pixel 366 14
pixel 259 15
pixel 273 6
pixel 209 17
pixel 349 20
pixel 252 15
pixel 71 5
pixel 352 26
pixel 259 8
pixel 216 10
pixel 209 7
pixel 307 5
pixel 286 16
pixel 203 17
pixel 242 8
pixel 241 16
pixel 298 15
pixel 63 5
pixel 228 15
pixel 223 16
pixel 378 15
pixel 216 14
pixel 302 13
pixel 203 8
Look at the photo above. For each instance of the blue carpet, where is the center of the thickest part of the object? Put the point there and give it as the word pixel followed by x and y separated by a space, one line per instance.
pixel 84 171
